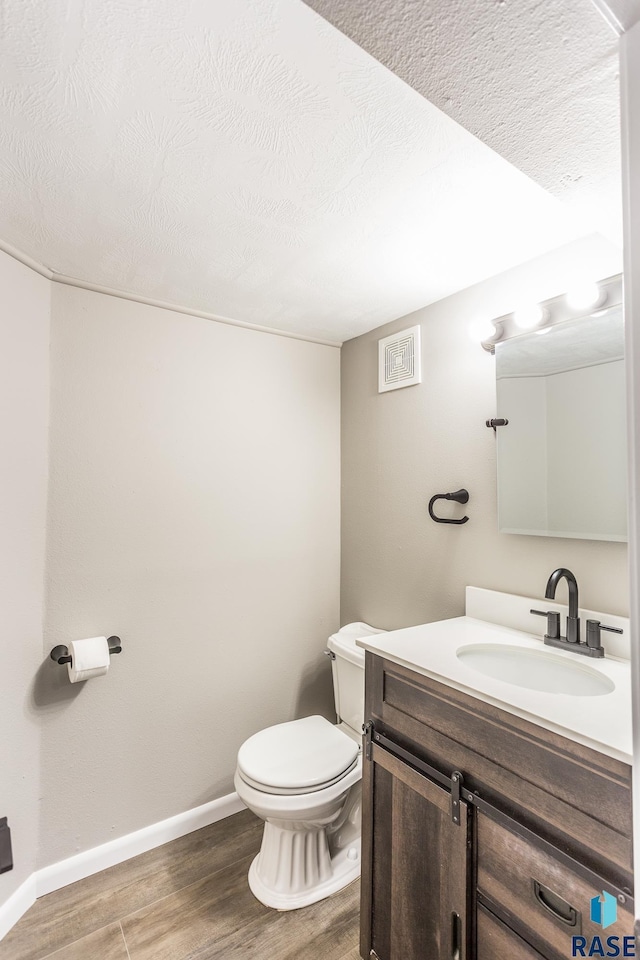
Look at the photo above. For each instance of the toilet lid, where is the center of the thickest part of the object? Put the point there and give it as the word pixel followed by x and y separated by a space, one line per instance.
pixel 302 755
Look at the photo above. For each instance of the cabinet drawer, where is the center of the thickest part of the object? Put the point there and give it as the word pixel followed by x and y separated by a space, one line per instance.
pixel 539 895
pixel 495 940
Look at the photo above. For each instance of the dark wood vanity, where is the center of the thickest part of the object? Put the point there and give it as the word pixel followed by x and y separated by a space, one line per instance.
pixel 485 836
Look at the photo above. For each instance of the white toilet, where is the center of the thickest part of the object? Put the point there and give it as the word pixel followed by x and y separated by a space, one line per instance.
pixel 303 779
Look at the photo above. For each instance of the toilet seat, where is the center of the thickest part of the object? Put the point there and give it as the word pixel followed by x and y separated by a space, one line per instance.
pixel 301 756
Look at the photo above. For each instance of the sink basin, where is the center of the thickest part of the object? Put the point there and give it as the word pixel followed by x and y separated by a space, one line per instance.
pixel 535 669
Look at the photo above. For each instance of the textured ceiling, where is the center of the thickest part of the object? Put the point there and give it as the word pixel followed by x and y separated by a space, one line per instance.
pixel 246 159
pixel 536 81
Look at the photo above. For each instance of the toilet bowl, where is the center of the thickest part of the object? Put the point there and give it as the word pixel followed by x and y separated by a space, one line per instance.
pixel 303 778
pixel 311 842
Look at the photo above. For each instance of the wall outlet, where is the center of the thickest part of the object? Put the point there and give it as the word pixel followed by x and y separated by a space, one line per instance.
pixel 6 856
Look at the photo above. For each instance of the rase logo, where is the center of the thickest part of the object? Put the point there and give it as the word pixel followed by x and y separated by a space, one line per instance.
pixel 604 912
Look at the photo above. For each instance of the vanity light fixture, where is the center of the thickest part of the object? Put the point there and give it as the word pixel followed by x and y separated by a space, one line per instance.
pixel 530 315
pixel 482 330
pixel 539 318
pixel 587 296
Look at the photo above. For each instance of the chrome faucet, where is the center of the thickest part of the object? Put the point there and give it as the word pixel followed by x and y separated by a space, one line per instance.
pixel 593 646
pixel 573 620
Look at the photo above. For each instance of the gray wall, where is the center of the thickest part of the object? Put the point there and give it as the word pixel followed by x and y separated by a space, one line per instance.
pixel 194 511
pixel 24 402
pixel 400 448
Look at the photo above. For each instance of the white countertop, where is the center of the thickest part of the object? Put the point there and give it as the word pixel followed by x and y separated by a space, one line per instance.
pixel 600 722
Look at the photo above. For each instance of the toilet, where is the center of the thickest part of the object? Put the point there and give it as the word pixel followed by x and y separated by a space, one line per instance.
pixel 303 778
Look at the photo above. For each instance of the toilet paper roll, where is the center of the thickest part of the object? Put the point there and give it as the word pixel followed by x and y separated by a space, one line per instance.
pixel 89 658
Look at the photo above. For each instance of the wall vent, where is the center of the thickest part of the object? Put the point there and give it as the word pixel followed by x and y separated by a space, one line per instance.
pixel 399 360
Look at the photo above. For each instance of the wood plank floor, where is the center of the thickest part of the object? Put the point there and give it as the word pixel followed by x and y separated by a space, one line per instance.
pixel 186 900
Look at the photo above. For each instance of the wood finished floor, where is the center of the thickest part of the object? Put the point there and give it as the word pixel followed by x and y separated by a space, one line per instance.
pixel 186 900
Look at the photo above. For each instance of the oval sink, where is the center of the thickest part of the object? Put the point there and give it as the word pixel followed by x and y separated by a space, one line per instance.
pixel 535 669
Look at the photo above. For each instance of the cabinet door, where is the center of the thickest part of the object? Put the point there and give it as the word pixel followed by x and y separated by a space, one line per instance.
pixel 415 866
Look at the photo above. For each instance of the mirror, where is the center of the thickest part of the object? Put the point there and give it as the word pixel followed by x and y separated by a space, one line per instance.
pixel 562 457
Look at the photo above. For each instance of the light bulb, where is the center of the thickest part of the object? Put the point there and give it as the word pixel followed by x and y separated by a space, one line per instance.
pixel 529 315
pixel 584 297
pixel 481 329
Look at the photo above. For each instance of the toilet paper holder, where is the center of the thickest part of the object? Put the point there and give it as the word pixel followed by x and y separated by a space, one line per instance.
pixel 61 653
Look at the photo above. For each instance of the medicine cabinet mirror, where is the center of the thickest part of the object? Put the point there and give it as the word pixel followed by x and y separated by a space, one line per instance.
pixel 562 456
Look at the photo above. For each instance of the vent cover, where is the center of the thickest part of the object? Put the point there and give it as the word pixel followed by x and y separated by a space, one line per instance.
pixel 399 360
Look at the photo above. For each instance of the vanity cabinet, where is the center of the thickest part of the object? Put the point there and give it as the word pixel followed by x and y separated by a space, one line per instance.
pixel 484 835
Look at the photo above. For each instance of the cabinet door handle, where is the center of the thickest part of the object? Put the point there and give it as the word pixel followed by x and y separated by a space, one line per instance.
pixel 555 905
pixel 456 936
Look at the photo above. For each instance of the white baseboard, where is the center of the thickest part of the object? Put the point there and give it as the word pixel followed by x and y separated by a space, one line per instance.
pixel 115 851
pixel 17 905
pixel 109 854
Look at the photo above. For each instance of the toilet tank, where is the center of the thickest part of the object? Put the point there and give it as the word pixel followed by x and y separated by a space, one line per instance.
pixel 347 665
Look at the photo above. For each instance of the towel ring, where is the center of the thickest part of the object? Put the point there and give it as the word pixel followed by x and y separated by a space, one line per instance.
pixel 460 496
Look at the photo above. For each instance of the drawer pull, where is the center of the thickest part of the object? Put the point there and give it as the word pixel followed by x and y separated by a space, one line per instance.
pixel 456 936
pixel 555 905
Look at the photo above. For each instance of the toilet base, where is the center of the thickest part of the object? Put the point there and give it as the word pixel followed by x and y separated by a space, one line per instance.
pixel 303 861
pixel 343 872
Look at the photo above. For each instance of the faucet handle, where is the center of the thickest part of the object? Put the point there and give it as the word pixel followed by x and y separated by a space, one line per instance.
pixel 593 635
pixel 553 622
